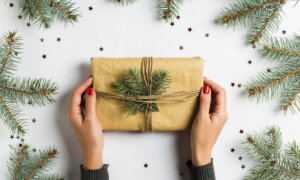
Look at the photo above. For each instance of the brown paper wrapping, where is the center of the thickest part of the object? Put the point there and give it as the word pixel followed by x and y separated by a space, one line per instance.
pixel 186 74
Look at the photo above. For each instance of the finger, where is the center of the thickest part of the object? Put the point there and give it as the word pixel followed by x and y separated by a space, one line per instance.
pixel 219 96
pixel 90 104
pixel 205 100
pixel 76 97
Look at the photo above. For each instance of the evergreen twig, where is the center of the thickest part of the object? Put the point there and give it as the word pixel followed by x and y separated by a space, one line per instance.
pixel 271 162
pixel 132 84
pixel 15 90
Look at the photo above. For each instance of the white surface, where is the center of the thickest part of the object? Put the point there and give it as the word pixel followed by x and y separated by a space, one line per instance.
pixel 134 31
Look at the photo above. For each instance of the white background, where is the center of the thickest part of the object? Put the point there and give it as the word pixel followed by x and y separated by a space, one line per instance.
pixel 134 31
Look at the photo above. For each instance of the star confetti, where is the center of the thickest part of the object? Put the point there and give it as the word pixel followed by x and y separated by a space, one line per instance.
pixel 232 84
pixel 240 158
pixel 20 145
pixel 190 29
pixel 268 70
pixel 178 17
pixel 180 48
pixel 239 85
pixel 11 136
pixel 33 120
pixel 28 24
pixel 249 62
pixel 44 56
pixel 91 8
pixel 19 17
pixel 243 166
pixel 18 137
pixel 58 39
pixel 29 102
pixel 146 165
pixel 101 49
pixel 172 23
pixel 283 31
pixel 241 131
pixel 34 150
pixel 232 150
pixel 11 5
pixel 42 39
pixel 207 35
pixel 22 140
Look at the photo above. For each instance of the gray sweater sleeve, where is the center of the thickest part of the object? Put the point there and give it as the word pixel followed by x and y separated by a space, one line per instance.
pixel 205 172
pixel 97 174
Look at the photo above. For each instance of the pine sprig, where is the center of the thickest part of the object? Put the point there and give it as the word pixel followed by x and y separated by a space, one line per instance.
pixel 124 2
pixel 284 79
pixel 168 9
pixel 15 90
pixel 272 163
pixel 26 164
pixel 132 84
pixel 263 16
pixel 44 12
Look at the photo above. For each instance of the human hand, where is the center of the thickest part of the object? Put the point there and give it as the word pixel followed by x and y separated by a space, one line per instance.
pixel 86 125
pixel 208 122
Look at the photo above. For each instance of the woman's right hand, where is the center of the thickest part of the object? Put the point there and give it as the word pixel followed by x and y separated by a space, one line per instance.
pixel 208 122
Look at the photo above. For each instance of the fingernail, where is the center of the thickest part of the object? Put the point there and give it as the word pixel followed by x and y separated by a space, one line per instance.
pixel 90 76
pixel 90 91
pixel 204 78
pixel 206 89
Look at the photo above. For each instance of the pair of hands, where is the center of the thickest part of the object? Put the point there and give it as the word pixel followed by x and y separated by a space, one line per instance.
pixel 206 128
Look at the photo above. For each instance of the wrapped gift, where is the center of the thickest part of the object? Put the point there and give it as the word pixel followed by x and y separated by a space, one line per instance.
pixel 172 110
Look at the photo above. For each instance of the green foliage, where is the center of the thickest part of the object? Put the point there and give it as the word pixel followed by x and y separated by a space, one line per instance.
pixel 271 162
pixel 263 17
pixel 283 81
pixel 167 9
pixel 26 164
pixel 14 90
pixel 44 12
pixel 132 84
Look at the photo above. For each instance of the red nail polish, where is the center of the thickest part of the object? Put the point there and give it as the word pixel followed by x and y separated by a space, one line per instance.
pixel 206 89
pixel 90 91
pixel 90 76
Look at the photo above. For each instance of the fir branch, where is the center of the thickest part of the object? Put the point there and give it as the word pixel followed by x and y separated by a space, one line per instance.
pixel 64 9
pixel 124 2
pixel 271 164
pixel 43 14
pixel 168 9
pixel 23 151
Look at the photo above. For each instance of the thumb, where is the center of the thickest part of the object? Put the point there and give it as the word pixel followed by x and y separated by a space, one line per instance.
pixel 90 102
pixel 205 100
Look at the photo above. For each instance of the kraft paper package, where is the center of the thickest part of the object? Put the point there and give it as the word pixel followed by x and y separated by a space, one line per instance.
pixel 185 73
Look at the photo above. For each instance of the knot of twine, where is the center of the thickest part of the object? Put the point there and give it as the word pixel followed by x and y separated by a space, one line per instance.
pixel 146 71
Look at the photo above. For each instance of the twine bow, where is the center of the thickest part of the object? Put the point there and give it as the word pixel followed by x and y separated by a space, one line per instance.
pixel 146 71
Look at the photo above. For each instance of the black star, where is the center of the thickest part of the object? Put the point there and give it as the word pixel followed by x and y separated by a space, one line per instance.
pixel 146 165
pixel 44 56
pixel 11 5
pixel 33 120
pixel 240 158
pixel 29 102
pixel 249 62
pixel 28 24
pixel 177 17
pixel 11 136
pixel 34 150
pixel 20 17
pixel 58 39
pixel 207 35
pixel 190 29
pixel 172 23
pixel 22 140
pixel 268 70
pixel 20 145
pixel 232 150
pixel 18 137
pixel 243 166
pixel 232 84
pixel 239 85
pixel 283 31
pixel 101 49
pixel 91 8
pixel 42 39
pixel 16 53
pixel 241 131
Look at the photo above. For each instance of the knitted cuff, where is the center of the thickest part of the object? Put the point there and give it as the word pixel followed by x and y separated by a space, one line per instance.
pixel 97 174
pixel 205 172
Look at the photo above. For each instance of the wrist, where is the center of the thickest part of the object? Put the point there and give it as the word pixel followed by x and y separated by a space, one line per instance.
pixel 92 160
pixel 201 157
